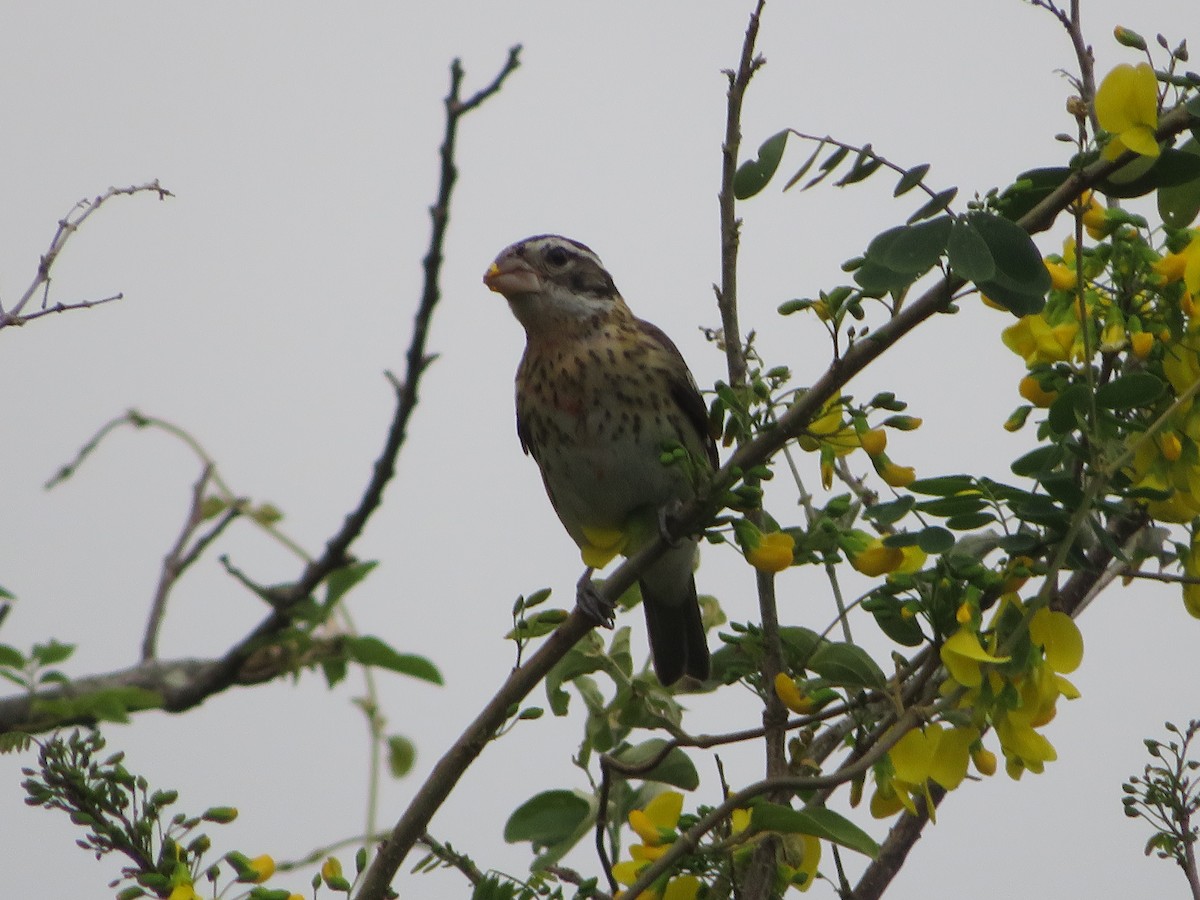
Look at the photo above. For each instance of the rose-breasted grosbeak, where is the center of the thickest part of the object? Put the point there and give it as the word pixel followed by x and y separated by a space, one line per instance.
pixel 602 398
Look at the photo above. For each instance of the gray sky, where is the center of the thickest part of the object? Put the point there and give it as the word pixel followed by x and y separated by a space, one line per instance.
pixel 263 303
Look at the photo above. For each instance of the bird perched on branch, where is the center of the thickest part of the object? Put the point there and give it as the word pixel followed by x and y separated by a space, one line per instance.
pixel 609 411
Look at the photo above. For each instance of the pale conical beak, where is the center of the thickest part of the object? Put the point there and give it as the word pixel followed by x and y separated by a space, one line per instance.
pixel 511 277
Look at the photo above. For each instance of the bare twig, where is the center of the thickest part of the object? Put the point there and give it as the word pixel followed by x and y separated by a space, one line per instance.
pixel 415 819
pixel 67 226
pixel 180 557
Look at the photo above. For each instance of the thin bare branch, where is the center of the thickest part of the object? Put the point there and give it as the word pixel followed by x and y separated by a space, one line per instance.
pixel 67 226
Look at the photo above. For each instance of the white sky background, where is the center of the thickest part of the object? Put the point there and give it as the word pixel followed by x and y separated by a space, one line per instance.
pixel 264 302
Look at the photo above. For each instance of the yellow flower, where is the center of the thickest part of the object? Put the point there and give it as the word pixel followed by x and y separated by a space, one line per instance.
pixel 875 558
pixel 655 824
pixel 984 760
pixel 894 475
pixel 1061 278
pixel 802 853
pixel 1191 568
pixel 1036 341
pixel 789 694
pixel 773 553
pixel 1058 635
pixel 184 891
pixel 1095 216
pixel 933 753
pixel 263 866
pixel 1170 446
pixel 873 441
pixel 1127 107
pixel 331 869
pixel 685 887
pixel 1141 343
pixel 1031 389
pixel 963 656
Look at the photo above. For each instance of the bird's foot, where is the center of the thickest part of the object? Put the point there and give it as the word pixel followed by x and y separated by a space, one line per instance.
pixel 593 604
pixel 667 515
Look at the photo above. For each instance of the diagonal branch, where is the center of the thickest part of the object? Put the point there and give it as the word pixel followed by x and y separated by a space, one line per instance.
pixel 182 686
pixel 692 517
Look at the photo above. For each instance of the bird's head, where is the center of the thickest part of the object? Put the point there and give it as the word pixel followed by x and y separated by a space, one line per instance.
pixel 552 281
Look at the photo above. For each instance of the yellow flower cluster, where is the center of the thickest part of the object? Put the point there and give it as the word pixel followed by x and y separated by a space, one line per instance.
pixel 656 825
pixel 1016 702
pixel 832 436
pixel 989 690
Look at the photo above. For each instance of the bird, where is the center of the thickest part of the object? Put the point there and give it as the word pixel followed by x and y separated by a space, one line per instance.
pixel 605 405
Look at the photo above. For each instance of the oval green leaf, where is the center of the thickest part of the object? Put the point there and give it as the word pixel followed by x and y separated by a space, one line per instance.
pixel 819 822
pixel 916 248
pixel 547 818
pixel 935 539
pixel 1132 391
pixel 371 651
pixel 676 768
pixel 847 665
pixel 1036 463
pixel 753 175
pixel 969 255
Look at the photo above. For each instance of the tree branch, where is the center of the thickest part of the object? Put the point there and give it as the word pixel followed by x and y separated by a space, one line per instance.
pixel 67 226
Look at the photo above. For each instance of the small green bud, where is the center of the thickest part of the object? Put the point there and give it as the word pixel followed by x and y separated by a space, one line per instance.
pixel 1128 38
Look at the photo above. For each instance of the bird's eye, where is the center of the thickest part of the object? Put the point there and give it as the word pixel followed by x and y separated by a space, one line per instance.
pixel 557 257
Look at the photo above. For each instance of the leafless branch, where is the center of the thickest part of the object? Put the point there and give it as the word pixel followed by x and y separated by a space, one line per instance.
pixel 181 556
pixel 67 226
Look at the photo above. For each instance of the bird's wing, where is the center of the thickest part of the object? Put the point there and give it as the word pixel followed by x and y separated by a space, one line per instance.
pixel 684 391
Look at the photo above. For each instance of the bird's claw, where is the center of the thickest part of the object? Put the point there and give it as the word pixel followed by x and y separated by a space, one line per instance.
pixel 593 603
pixel 666 518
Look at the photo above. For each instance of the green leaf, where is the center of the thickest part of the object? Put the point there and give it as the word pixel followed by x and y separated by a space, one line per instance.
pixel 916 248
pixel 865 164
pixel 1030 189
pixel 847 665
pixel 402 753
pixel 801 643
pixel 11 657
pixel 1172 168
pixel 955 505
pixel 819 822
pixel 1036 463
pixel 539 624
pixel 910 179
pixel 341 580
pixel 1180 204
pixel 1016 256
pixel 676 768
pixel 51 653
pixel 876 279
pixel 935 539
pixel 831 162
pixel 1132 391
pixel 547 818
pixel 944 485
pixel 1069 409
pixel 889 513
pixel 904 630
pixel 970 521
pixel 371 651
pixel 753 175
pixel 808 164
pixel 936 204
pixel 969 255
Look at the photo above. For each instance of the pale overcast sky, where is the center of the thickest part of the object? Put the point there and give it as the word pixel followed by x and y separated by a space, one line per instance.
pixel 263 303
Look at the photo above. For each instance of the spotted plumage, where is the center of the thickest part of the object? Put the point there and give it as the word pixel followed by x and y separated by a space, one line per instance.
pixel 600 395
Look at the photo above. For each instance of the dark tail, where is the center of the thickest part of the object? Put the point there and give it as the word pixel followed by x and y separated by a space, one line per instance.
pixel 677 642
